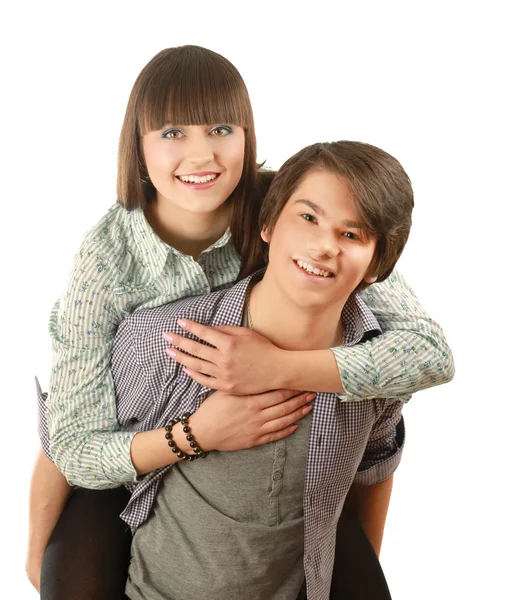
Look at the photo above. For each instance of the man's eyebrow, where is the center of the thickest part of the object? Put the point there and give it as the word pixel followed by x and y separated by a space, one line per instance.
pixel 315 207
pixel 320 211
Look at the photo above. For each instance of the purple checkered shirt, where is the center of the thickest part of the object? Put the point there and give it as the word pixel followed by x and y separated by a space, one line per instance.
pixel 349 442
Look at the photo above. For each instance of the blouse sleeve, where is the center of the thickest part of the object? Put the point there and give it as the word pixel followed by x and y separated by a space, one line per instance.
pixel 85 442
pixel 412 353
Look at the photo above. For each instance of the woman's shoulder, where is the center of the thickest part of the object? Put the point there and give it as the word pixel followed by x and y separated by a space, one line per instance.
pixel 113 229
pixel 103 262
pixel 108 243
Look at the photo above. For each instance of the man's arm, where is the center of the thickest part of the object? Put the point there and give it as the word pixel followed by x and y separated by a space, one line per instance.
pixel 370 506
pixel 49 492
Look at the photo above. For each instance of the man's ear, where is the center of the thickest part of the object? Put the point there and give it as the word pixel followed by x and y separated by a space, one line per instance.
pixel 265 235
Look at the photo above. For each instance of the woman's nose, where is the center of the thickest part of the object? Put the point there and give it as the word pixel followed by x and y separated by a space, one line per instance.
pixel 199 151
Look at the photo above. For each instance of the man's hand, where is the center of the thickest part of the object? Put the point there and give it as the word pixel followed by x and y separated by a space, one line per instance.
pixel 237 360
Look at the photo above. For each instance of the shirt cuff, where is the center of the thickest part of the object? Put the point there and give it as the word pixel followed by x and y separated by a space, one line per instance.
pixel 103 461
pixel 42 425
pixel 115 466
pixel 357 373
pixel 383 468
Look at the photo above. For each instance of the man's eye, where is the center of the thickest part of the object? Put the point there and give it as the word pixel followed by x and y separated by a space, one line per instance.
pixel 173 134
pixel 308 217
pixel 221 131
pixel 350 235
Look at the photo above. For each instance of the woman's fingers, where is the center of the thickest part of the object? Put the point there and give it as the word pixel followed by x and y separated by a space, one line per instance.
pixel 284 421
pixel 191 362
pixel 277 435
pixel 274 398
pixel 205 380
pixel 191 347
pixel 287 406
pixel 208 334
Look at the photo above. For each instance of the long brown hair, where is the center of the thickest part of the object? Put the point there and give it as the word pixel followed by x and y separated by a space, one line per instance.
pixel 191 85
pixel 379 187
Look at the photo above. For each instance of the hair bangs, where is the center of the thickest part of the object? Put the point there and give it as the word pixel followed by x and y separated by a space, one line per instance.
pixel 335 163
pixel 193 88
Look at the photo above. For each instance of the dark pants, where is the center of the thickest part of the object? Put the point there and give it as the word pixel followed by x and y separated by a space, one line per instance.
pixel 357 572
pixel 88 555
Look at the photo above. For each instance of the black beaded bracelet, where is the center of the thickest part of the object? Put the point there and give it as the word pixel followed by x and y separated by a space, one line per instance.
pixel 170 442
pixel 187 430
pixel 198 453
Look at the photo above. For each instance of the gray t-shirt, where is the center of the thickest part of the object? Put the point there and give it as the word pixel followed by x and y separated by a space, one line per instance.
pixel 228 527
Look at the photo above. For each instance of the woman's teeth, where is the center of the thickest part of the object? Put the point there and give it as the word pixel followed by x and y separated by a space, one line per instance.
pixel 314 271
pixel 196 179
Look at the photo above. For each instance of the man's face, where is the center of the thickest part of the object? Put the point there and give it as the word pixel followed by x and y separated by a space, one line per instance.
pixel 318 253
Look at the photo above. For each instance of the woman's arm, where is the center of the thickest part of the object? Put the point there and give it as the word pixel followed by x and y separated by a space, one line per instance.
pixel 81 418
pixel 49 492
pixel 225 422
pixel 412 354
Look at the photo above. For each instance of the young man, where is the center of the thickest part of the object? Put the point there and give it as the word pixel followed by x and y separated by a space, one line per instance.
pixel 261 522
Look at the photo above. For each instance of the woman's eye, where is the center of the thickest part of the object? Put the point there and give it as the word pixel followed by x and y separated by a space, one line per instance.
pixel 221 131
pixel 309 218
pixel 173 134
pixel 350 235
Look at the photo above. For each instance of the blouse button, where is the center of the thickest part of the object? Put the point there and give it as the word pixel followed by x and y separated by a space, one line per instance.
pixel 277 476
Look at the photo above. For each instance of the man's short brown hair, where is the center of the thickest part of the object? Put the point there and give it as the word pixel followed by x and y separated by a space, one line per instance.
pixel 380 188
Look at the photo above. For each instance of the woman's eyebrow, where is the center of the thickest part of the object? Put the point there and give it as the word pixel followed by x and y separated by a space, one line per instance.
pixel 320 211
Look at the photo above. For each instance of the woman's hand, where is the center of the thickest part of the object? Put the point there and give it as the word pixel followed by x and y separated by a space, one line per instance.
pixel 238 360
pixel 227 422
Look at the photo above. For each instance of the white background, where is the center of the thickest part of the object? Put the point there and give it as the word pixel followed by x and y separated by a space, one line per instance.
pixel 443 87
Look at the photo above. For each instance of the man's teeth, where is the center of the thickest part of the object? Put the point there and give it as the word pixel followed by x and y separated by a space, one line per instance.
pixel 311 269
pixel 195 179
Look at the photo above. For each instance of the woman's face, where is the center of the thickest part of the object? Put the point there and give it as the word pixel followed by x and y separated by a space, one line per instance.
pixel 195 167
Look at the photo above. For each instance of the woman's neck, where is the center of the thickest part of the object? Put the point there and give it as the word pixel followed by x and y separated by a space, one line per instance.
pixel 188 232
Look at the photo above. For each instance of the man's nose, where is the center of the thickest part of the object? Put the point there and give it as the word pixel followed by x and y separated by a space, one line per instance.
pixel 325 245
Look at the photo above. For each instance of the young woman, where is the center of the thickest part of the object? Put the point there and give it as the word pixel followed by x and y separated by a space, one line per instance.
pixel 189 195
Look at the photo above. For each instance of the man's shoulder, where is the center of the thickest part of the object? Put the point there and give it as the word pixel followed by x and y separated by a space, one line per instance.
pixel 359 322
pixel 202 309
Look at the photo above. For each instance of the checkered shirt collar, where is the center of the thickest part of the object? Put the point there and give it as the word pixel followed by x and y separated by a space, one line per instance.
pixel 357 318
